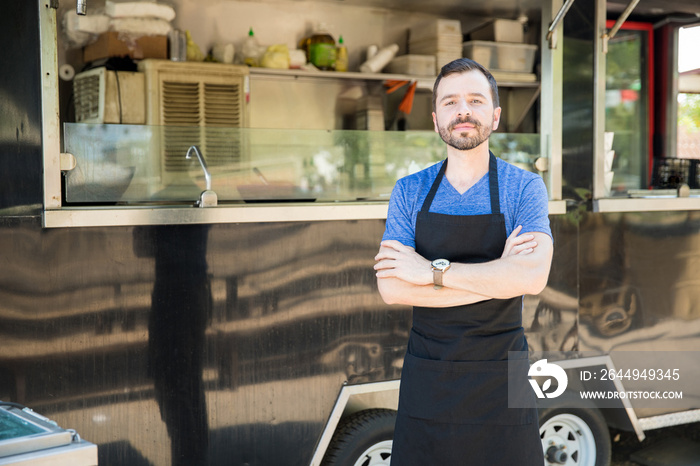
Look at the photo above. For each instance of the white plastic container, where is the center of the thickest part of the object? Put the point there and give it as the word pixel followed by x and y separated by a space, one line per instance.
pixel 372 51
pixel 500 30
pixel 416 65
pixel 434 28
pixel 501 56
pixel 224 52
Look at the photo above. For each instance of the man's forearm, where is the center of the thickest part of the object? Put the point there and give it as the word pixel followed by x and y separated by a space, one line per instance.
pixel 506 277
pixel 514 274
pixel 396 291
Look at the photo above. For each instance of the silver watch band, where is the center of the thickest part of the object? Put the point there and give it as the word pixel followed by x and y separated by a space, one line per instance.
pixel 437 278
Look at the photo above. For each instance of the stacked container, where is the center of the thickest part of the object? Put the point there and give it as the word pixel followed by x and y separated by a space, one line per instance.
pixel 499 46
pixel 439 37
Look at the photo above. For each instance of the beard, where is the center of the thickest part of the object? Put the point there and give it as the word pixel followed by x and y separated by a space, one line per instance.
pixel 462 141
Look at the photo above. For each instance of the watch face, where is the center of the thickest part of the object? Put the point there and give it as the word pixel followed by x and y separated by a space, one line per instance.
pixel 440 263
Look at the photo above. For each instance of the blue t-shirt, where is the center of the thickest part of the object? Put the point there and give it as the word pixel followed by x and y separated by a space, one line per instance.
pixel 523 198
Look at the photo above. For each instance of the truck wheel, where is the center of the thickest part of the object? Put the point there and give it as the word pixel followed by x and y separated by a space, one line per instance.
pixel 363 439
pixel 574 436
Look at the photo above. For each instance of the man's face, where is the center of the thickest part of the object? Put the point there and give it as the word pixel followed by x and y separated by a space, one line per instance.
pixel 464 115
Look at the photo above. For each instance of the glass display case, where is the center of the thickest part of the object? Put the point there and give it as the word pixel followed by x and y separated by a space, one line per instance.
pixel 133 165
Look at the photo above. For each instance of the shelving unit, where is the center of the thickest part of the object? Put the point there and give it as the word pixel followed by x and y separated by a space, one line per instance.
pixel 518 95
pixel 424 82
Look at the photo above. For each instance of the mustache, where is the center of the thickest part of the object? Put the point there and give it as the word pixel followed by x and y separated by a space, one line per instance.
pixel 459 121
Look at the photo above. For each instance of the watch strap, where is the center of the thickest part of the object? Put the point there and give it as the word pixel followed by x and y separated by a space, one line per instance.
pixel 437 278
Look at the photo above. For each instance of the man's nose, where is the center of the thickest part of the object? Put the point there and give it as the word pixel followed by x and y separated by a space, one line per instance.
pixel 463 108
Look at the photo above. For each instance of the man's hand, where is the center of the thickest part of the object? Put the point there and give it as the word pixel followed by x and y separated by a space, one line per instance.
pixel 394 260
pixel 515 244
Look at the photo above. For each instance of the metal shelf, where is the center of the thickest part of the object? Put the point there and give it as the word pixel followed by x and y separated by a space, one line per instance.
pixel 424 82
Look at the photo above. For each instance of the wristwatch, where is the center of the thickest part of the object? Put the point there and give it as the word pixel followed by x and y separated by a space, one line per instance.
pixel 439 266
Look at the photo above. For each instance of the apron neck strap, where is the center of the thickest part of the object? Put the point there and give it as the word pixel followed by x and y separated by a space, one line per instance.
pixel 493 186
pixel 433 189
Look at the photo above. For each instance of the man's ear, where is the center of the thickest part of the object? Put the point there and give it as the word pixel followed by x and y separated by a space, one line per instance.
pixel 435 125
pixel 496 118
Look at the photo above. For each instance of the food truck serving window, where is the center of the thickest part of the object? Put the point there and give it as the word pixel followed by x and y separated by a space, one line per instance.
pixel 153 142
pixel 629 109
pixel 688 129
pixel 643 163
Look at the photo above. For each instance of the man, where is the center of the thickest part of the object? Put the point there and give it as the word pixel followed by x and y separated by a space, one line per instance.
pixel 453 249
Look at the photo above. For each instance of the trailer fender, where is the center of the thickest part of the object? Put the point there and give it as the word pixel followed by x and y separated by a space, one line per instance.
pixel 353 399
pixel 618 413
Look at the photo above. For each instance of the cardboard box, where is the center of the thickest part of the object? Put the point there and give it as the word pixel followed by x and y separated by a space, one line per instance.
pixel 109 44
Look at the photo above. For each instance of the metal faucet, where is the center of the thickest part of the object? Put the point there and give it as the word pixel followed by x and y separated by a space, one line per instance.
pixel 208 198
pixel 81 7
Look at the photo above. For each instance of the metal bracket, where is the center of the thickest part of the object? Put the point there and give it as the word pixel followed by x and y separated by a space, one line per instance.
pixel 67 162
pixel 551 36
pixel 542 164
pixel 618 24
pixel 81 7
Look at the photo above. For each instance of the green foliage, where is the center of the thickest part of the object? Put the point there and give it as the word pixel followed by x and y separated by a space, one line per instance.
pixel 623 61
pixel 689 112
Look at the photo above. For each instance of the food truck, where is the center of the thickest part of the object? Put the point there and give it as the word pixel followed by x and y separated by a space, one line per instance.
pixel 187 246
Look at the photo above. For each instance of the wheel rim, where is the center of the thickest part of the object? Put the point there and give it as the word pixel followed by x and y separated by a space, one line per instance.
pixel 567 440
pixel 378 454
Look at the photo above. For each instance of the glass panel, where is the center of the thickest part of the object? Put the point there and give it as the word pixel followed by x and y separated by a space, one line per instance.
pixel 626 103
pixel 688 132
pixel 130 164
pixel 688 144
pixel 12 426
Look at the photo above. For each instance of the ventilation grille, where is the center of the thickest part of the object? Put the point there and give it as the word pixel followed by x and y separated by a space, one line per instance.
pixel 181 103
pixel 207 108
pixel 222 105
pixel 101 96
pixel 87 94
pixel 180 107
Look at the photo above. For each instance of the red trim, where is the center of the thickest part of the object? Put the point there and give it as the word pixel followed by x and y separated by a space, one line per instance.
pixel 649 28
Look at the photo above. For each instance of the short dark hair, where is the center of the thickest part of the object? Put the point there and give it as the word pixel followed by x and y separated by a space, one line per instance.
pixel 462 65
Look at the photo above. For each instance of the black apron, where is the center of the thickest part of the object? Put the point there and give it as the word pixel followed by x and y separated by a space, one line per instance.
pixel 453 401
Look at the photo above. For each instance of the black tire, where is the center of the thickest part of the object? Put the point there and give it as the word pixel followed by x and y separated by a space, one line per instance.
pixel 584 432
pixel 363 435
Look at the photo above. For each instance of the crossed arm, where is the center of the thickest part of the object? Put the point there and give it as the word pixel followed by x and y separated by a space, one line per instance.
pixel 405 277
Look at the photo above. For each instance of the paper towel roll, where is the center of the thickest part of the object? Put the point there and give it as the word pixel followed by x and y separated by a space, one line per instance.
pixel 380 59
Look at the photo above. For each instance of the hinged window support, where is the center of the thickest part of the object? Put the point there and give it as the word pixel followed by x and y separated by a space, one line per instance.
pixel 618 24
pixel 551 35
